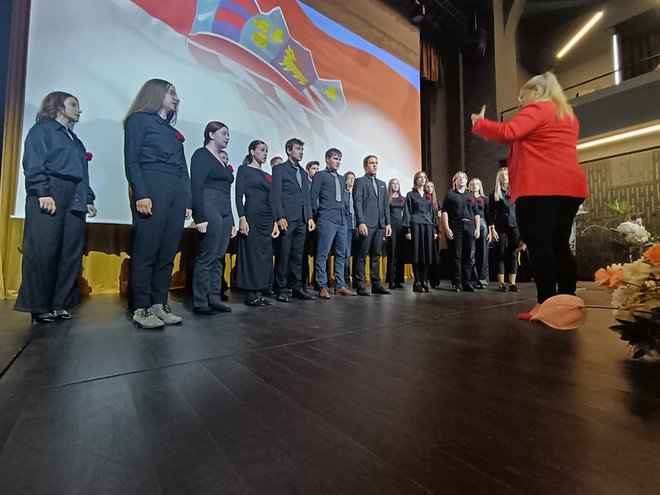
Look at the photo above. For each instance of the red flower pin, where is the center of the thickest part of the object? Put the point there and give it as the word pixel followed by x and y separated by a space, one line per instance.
pixel 230 168
pixel 269 179
pixel 470 199
pixel 402 199
pixel 480 199
pixel 428 196
pixel 180 137
pixel 88 156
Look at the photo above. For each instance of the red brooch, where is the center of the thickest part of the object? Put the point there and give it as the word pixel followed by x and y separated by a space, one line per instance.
pixel 269 179
pixel 428 196
pixel 402 199
pixel 230 168
pixel 88 156
pixel 470 199
pixel 480 199
pixel 180 137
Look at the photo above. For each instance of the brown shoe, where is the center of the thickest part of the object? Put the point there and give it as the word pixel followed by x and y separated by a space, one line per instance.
pixel 345 291
pixel 324 294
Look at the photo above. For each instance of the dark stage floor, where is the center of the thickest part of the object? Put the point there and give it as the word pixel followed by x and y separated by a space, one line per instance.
pixel 411 393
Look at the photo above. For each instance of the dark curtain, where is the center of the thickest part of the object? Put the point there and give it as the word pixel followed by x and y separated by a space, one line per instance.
pixel 639 43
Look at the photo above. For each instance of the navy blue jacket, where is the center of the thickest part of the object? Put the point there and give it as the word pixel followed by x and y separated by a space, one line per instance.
pixel 50 152
pixel 372 210
pixel 290 200
pixel 207 172
pixel 323 197
pixel 151 143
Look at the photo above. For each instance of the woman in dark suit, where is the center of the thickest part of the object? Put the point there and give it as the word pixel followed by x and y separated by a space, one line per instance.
pixel 395 261
pixel 58 198
pixel 420 225
pixel 503 229
pixel 257 226
pixel 480 271
pixel 160 199
pixel 211 179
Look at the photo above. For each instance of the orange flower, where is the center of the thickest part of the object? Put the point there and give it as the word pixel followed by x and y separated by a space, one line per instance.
pixel 611 276
pixel 652 255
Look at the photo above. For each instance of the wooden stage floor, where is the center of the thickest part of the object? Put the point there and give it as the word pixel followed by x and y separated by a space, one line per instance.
pixel 411 393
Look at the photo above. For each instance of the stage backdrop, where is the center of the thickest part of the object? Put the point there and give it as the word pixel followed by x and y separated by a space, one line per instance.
pixel 269 69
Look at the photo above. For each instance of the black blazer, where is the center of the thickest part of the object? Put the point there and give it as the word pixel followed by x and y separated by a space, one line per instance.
pixel 291 201
pixel 502 213
pixel 372 210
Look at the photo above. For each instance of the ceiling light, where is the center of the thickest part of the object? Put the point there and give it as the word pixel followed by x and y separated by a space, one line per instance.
pixel 620 136
pixel 580 34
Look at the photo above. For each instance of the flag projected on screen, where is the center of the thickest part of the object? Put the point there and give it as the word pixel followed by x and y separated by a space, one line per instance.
pixel 270 70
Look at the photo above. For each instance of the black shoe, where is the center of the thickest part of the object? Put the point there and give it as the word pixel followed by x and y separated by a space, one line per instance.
pixel 417 287
pixel 435 286
pixel 283 297
pixel 399 286
pixel 255 302
pixel 61 314
pixel 513 288
pixel 224 297
pixel 204 310
pixel 379 289
pixel 43 317
pixel 469 288
pixel 502 288
pixel 426 287
pixel 220 308
pixel 267 302
pixel 391 286
pixel 361 291
pixel 455 288
pixel 268 292
pixel 479 285
pixel 306 296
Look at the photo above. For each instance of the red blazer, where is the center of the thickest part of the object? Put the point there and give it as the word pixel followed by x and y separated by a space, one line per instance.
pixel 543 158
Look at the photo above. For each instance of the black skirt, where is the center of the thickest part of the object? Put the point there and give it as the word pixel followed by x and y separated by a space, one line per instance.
pixel 424 249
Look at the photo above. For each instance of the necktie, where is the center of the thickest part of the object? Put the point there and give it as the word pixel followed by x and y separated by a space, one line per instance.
pixel 350 203
pixel 337 187
pixel 373 181
pixel 299 177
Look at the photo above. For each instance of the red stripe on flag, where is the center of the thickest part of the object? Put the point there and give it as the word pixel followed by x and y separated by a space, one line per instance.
pixel 248 5
pixel 236 20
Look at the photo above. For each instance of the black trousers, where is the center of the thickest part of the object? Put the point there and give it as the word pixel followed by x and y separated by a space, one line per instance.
pixel 461 250
pixel 52 252
pixel 309 249
pixel 371 245
pixel 507 250
pixel 480 271
pixel 545 224
pixel 395 265
pixel 351 242
pixel 208 272
pixel 156 239
pixel 288 261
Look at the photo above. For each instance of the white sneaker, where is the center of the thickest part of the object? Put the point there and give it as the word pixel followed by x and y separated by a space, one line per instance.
pixel 164 312
pixel 145 318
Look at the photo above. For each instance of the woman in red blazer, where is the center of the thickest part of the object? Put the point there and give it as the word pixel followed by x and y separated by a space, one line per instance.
pixel 546 180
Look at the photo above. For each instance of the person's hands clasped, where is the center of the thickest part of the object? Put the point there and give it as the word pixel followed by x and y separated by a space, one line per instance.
pixel 144 206
pixel 202 227
pixel 91 211
pixel 47 204
pixel 480 115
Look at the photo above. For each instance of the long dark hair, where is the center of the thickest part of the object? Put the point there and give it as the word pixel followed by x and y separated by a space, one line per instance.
pixel 212 126
pixel 52 105
pixel 150 99
pixel 253 146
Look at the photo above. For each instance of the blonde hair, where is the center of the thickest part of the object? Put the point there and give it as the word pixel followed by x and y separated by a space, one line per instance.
pixel 497 194
pixel 456 175
pixel 480 186
pixel 150 98
pixel 390 193
pixel 550 89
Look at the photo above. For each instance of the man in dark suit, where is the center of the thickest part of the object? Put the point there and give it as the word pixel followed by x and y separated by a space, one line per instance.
pixel 293 211
pixel 327 197
pixel 373 218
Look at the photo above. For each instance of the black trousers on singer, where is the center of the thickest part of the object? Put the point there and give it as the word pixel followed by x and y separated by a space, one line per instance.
pixel 289 257
pixel 210 263
pixel 461 250
pixel 371 245
pixel 545 224
pixel 156 239
pixel 52 252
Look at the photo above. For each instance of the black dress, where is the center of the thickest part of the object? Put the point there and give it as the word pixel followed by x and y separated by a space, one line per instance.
pixel 420 221
pixel 254 261
pixel 396 243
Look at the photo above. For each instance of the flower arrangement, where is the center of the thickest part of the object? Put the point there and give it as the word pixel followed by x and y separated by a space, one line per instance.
pixel 635 291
